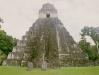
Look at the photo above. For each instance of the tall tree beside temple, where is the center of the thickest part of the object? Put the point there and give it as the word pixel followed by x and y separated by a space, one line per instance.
pixel 90 50
pixel 93 33
pixel 6 44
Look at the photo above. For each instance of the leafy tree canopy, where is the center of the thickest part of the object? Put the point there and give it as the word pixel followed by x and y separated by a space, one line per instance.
pixel 6 42
pixel 90 50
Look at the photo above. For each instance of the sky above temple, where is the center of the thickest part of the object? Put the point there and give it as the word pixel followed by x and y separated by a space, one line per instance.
pixel 19 15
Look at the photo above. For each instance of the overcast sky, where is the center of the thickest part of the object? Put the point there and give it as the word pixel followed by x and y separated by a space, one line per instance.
pixel 19 15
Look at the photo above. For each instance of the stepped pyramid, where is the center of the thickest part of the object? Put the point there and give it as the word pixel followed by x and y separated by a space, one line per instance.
pixel 47 40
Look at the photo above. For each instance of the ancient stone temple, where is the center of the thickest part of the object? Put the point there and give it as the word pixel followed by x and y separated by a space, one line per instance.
pixel 47 40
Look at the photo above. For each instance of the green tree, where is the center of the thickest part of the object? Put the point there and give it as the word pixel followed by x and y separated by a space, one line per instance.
pixel 6 42
pixel 94 53
pixel 2 56
pixel 6 45
pixel 90 50
pixel 91 32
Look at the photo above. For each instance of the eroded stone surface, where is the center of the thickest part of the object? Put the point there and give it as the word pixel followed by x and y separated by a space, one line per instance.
pixel 47 37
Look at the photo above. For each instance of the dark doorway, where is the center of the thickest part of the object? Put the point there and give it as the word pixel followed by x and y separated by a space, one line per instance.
pixel 48 15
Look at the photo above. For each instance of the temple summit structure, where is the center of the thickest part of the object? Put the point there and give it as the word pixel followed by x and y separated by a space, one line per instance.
pixel 47 40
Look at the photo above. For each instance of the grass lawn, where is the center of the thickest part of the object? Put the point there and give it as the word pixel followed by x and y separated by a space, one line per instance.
pixel 62 71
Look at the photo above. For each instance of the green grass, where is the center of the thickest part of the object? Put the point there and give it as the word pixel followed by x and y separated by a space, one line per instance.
pixel 62 71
